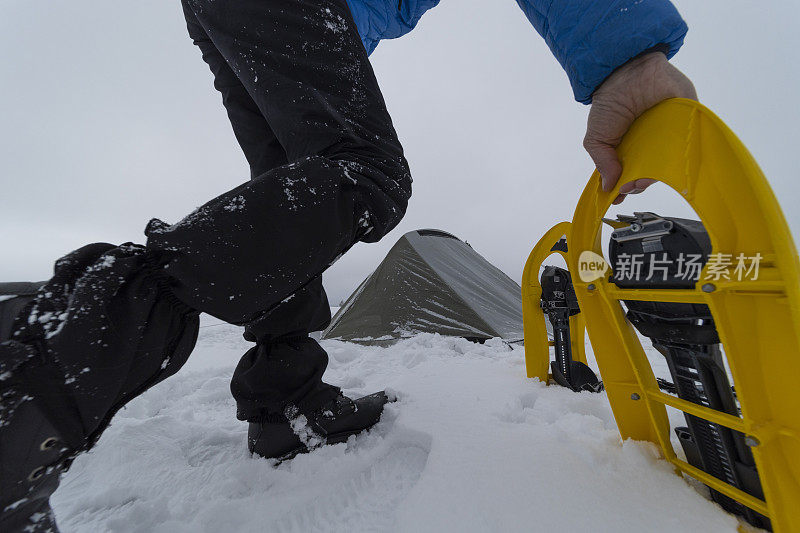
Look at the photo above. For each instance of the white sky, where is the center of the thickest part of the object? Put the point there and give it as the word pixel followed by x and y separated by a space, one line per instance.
pixel 108 117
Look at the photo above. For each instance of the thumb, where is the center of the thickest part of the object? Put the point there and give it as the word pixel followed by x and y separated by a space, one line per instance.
pixel 606 161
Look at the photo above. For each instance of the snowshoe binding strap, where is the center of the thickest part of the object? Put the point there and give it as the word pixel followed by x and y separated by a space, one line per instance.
pixel 559 304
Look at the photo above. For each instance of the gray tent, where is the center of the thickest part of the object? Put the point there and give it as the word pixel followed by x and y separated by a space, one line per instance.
pixel 431 282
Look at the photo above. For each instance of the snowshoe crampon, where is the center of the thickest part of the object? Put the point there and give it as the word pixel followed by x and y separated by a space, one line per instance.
pixel 744 444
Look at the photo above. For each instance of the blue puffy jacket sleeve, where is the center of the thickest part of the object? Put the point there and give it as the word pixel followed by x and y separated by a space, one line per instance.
pixel 386 19
pixel 591 38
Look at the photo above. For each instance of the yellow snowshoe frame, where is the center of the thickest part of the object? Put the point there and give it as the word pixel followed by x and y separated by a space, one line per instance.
pixel 684 145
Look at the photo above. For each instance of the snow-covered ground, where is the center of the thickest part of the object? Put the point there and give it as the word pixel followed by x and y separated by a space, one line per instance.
pixel 470 445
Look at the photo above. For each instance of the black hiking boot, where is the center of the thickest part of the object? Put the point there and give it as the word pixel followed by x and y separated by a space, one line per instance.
pixel 298 433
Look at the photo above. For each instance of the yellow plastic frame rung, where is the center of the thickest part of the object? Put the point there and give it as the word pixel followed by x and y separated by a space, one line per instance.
pixel 773 289
pixel 668 295
pixel 717 484
pixel 712 415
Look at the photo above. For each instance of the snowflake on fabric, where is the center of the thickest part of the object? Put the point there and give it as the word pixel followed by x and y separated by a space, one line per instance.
pixel 236 203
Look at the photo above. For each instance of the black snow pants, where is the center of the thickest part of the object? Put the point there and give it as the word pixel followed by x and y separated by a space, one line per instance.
pixel 327 170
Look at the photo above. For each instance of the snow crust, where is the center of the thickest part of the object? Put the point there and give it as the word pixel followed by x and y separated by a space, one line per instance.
pixel 470 445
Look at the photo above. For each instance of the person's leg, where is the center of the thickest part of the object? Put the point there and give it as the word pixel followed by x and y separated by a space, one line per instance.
pixel 304 69
pixel 115 320
pixel 303 64
pixel 281 336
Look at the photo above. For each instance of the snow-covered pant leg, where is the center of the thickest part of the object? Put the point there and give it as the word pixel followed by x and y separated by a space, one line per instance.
pixel 98 334
pixel 309 309
pixel 302 64
pixel 303 67
pixel 274 372
pixel 286 366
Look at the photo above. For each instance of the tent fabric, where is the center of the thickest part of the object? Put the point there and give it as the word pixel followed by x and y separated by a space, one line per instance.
pixel 431 281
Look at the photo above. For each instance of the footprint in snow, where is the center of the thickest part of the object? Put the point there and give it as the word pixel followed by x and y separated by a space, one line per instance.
pixel 368 494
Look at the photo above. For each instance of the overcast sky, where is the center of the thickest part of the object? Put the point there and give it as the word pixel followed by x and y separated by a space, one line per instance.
pixel 108 117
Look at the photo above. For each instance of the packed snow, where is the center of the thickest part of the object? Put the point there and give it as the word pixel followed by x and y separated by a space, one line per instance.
pixel 470 445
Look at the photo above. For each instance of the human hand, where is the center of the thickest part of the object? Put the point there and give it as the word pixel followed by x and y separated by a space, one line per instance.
pixel 624 95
